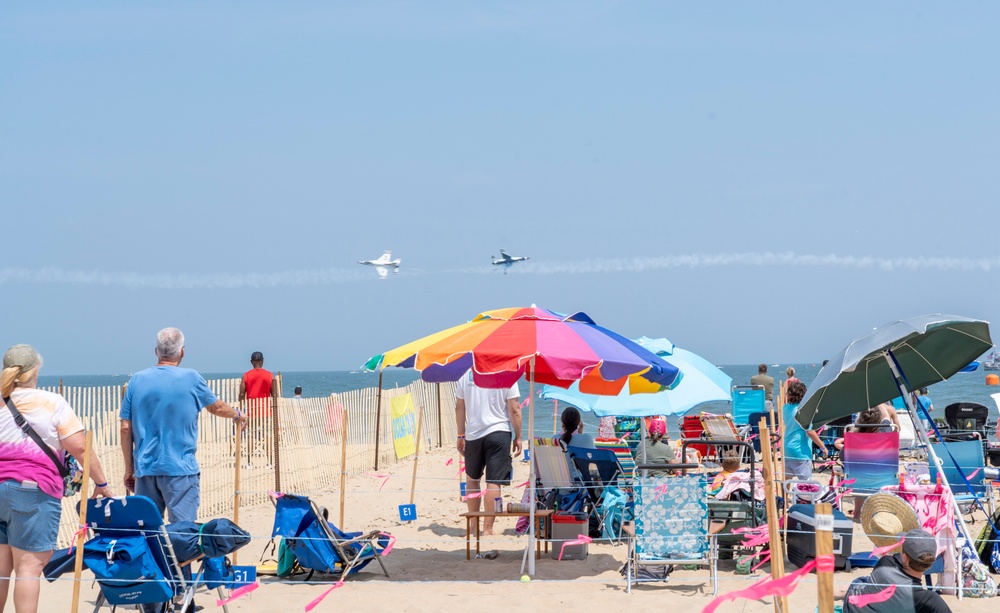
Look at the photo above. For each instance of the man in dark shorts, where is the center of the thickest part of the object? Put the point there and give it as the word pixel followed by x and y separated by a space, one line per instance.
pixel 489 430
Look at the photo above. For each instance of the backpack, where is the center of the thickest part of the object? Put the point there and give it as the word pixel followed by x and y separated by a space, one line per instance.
pixel 987 540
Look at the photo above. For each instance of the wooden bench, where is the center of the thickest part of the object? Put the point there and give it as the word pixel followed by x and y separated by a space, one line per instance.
pixel 539 539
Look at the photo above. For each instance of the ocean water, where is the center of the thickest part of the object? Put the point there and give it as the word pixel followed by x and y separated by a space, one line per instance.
pixel 963 387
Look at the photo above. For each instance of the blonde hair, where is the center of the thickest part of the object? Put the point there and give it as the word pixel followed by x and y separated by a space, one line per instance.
pixel 13 376
pixel 790 371
pixel 731 461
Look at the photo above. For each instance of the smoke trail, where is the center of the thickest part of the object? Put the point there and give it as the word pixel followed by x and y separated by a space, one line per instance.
pixel 58 276
pixel 765 259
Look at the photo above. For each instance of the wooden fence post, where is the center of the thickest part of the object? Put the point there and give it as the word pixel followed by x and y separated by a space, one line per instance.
pixel 378 418
pixel 416 455
pixel 82 536
pixel 777 550
pixel 437 388
pixel 824 547
pixel 236 486
pixel 343 464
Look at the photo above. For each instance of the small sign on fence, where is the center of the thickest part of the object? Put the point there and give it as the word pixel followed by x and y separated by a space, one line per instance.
pixel 407 512
pixel 243 575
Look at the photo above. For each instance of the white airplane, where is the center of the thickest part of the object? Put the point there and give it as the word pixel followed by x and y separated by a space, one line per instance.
pixel 507 261
pixel 382 264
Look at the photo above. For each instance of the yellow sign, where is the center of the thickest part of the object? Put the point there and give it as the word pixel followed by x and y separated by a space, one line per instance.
pixel 404 426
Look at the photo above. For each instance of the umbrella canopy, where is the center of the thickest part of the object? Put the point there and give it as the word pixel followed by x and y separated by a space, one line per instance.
pixel 498 347
pixel 701 382
pixel 928 349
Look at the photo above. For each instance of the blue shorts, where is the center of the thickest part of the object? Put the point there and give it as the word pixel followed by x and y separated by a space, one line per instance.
pixel 177 496
pixel 29 518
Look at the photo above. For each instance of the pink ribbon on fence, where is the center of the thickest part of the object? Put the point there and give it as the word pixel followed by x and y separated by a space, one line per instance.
pixel 240 591
pixel 583 540
pixel 765 587
pixel 886 549
pixel 480 494
pixel 525 484
pixel 861 600
pixel 312 605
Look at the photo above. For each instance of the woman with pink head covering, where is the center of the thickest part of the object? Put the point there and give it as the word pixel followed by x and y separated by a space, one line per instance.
pixel 657 450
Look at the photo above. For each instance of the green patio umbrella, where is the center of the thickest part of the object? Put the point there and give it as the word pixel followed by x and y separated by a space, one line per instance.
pixel 928 349
pixel 890 361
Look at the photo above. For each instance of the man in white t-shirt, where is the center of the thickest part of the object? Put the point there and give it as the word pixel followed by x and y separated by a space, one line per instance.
pixel 489 430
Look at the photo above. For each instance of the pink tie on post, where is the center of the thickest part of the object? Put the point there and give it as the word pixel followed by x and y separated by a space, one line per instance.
pixel 861 600
pixel 240 591
pixel 479 495
pixel 826 563
pixel 883 550
pixel 312 605
pixel 525 484
pixel 72 543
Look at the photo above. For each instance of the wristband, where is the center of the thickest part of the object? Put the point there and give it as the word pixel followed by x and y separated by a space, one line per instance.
pixel 105 484
pixel 461 436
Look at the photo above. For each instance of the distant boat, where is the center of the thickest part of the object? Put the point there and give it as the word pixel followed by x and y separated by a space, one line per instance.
pixel 992 361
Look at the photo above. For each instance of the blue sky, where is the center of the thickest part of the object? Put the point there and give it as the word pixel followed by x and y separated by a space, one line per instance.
pixel 756 183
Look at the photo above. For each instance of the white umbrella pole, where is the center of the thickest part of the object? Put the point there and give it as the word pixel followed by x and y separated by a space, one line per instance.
pixel 925 438
pixel 531 471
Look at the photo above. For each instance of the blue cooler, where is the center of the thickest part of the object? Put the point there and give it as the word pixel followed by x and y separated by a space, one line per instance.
pixel 801 524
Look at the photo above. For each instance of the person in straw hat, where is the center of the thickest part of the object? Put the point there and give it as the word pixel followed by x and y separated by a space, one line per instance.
pixel 888 520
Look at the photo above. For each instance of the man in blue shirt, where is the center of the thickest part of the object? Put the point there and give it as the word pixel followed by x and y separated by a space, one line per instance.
pixel 159 429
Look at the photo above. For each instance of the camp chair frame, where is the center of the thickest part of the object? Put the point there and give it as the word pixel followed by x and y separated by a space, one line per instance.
pixel 747 400
pixel 710 555
pixel 552 470
pixel 970 461
pixel 104 518
pixel 348 557
pixel 721 430
pixel 733 513
pixel 861 462
pixel 609 473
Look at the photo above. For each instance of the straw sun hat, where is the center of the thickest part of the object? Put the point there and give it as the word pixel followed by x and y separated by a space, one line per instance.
pixel 885 516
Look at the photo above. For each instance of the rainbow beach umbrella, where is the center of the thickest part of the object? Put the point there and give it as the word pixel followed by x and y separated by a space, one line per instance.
pixel 547 347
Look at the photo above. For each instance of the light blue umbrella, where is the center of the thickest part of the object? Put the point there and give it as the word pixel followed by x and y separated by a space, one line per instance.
pixel 701 382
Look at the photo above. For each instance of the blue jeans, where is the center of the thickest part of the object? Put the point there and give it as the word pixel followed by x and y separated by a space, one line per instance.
pixel 178 496
pixel 29 518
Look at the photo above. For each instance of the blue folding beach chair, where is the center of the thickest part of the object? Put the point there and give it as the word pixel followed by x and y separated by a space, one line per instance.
pixel 747 400
pixel 318 545
pixel 133 558
pixel 599 469
pixel 971 465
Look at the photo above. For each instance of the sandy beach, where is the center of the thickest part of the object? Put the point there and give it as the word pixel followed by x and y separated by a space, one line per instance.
pixel 429 572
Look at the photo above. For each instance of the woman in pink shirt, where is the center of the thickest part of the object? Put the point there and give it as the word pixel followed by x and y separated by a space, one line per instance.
pixel 31 487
